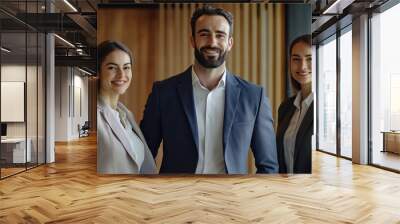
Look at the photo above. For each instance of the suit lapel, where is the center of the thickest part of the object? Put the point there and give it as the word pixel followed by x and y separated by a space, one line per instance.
pixel 185 90
pixel 287 113
pixel 232 93
pixel 119 133
pixel 287 116
pixel 307 121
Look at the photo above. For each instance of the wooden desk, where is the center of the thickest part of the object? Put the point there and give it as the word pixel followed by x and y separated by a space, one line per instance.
pixel 391 141
pixel 13 150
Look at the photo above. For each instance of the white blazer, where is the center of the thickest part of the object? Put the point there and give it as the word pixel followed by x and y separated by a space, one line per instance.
pixel 114 155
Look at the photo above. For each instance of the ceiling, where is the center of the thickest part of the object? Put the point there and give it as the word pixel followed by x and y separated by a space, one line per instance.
pixel 76 22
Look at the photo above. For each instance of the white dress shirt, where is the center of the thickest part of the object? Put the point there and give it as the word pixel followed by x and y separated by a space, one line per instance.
pixel 134 141
pixel 289 141
pixel 209 107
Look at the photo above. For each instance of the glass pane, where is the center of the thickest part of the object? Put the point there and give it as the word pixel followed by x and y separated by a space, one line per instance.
pixel 327 96
pixel 33 84
pixel 13 87
pixel 314 90
pixel 31 98
pixel 41 98
pixel 385 86
pixel 346 94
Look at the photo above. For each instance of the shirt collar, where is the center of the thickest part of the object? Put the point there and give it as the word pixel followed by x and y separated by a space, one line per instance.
pixel 306 102
pixel 196 81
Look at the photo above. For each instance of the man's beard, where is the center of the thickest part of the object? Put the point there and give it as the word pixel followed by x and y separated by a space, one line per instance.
pixel 209 63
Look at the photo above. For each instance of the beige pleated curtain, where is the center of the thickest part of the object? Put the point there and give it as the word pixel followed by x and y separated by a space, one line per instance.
pixel 159 39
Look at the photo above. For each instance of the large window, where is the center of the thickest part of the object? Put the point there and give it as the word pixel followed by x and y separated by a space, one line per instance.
pixel 345 42
pixel 327 96
pixel 334 62
pixel 385 88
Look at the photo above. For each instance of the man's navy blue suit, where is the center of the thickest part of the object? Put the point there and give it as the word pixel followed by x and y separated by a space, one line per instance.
pixel 170 116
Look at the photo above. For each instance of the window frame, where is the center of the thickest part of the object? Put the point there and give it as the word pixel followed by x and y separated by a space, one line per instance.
pixel 334 37
pixel 381 9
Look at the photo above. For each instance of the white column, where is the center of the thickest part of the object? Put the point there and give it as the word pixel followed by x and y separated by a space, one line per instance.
pixel 50 100
pixel 50 92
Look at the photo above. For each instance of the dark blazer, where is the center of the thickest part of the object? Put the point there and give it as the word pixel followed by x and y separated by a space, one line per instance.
pixel 170 116
pixel 302 152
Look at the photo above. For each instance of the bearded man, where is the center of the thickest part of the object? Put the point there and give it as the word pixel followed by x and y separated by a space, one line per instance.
pixel 206 117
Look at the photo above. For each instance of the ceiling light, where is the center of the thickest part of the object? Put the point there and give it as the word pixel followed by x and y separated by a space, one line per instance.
pixel 338 6
pixel 5 50
pixel 86 72
pixel 65 41
pixel 326 11
pixel 70 5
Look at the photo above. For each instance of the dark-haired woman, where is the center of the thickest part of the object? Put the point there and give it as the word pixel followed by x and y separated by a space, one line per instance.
pixel 295 114
pixel 121 147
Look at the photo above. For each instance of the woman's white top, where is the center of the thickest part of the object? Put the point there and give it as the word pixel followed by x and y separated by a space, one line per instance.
pixel 134 141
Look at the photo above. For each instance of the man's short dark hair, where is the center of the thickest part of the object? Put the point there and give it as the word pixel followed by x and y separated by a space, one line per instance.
pixel 211 11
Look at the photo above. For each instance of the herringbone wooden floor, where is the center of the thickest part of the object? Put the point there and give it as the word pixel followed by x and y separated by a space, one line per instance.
pixel 70 191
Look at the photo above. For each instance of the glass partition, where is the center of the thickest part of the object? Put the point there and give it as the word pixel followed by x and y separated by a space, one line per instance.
pixel 22 88
pixel 31 98
pixel 14 151
pixel 41 109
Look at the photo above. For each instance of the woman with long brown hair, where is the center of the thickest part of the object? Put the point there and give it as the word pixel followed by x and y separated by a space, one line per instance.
pixel 121 147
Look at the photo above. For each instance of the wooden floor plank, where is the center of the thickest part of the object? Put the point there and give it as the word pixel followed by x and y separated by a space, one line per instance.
pixel 70 191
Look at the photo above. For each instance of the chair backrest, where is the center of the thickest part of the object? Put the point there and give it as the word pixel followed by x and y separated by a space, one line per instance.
pixel 86 125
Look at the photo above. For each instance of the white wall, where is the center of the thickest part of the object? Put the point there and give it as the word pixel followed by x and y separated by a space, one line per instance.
pixel 70 84
pixel 61 104
pixel 81 101
pixel 17 73
pixel 13 101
